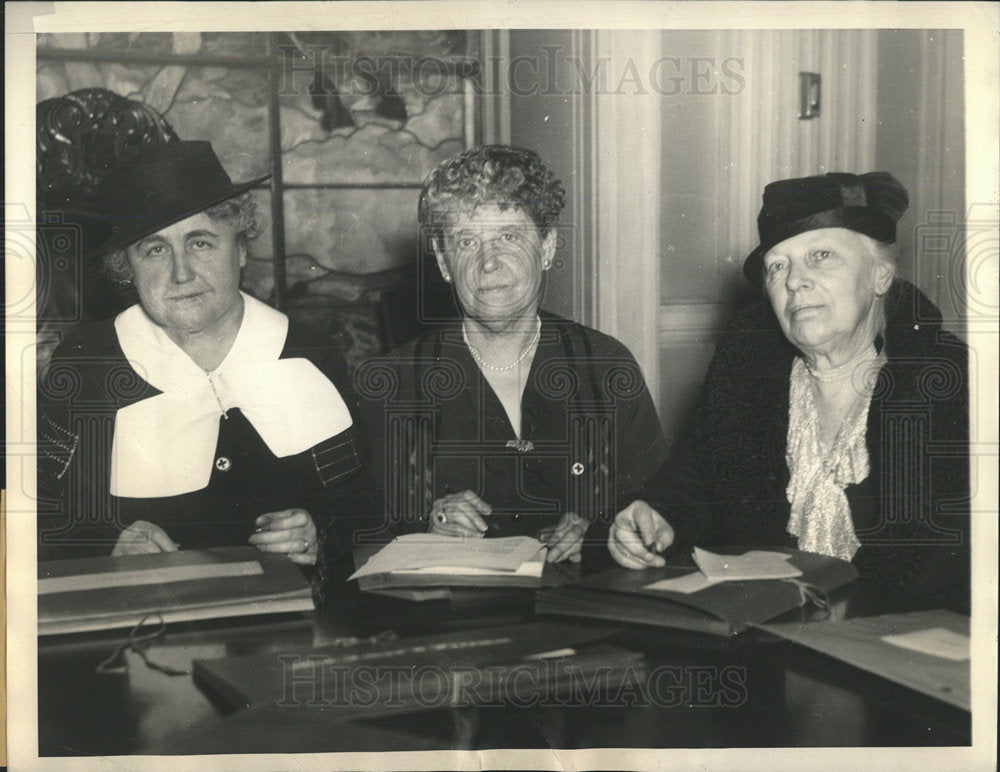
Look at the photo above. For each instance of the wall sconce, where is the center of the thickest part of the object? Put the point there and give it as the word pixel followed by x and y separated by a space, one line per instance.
pixel 809 95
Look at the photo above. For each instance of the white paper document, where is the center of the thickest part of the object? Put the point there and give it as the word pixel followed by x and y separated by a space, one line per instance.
pixel 683 584
pixel 936 641
pixel 163 575
pixel 529 568
pixel 756 564
pixel 435 554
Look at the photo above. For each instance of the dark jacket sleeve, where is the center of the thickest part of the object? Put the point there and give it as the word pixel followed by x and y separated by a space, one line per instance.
pixel 75 417
pixel 344 504
pixel 377 382
pixel 918 436
pixel 725 480
pixel 642 448
pixel 681 491
pixel 946 574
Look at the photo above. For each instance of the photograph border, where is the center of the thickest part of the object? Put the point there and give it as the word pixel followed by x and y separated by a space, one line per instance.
pixel 981 25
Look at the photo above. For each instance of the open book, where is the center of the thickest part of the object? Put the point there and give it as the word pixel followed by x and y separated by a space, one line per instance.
pixel 425 559
pixel 88 594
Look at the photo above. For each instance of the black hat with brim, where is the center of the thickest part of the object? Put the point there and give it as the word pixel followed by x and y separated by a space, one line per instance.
pixel 165 184
pixel 870 204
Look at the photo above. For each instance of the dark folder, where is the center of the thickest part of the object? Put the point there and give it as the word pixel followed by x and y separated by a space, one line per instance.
pixel 89 594
pixel 472 667
pixel 726 608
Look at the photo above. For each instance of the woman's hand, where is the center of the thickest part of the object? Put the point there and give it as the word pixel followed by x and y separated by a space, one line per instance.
pixel 565 538
pixel 291 532
pixel 459 514
pixel 638 534
pixel 143 538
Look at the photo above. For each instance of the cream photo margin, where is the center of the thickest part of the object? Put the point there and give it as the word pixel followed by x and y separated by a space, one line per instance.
pixel 981 24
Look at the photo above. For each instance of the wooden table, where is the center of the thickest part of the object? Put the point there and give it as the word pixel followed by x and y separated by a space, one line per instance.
pixel 753 690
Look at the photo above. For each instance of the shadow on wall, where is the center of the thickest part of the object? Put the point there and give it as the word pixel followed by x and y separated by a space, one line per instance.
pixel 687 345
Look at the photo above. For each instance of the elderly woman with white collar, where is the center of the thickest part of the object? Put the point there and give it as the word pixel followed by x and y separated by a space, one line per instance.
pixel 834 415
pixel 199 416
pixel 511 420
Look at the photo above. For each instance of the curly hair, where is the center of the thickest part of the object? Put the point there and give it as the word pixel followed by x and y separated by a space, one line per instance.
pixel 491 174
pixel 239 212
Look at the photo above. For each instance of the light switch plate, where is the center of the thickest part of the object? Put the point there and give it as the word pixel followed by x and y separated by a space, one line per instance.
pixel 809 95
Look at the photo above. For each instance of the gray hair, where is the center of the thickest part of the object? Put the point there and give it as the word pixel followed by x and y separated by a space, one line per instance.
pixel 886 255
pixel 510 177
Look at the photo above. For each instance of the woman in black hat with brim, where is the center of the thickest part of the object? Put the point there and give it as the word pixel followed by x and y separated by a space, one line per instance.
pixel 199 416
pixel 834 415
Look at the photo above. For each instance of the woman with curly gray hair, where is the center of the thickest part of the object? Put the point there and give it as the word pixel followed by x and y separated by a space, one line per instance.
pixel 199 416
pixel 519 422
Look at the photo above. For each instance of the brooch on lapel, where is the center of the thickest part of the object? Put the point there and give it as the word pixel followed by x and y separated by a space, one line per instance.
pixel 521 446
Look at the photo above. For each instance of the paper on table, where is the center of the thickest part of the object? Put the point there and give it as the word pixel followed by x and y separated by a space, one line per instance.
pixel 529 568
pixel 428 550
pixel 683 584
pixel 936 641
pixel 163 575
pixel 756 564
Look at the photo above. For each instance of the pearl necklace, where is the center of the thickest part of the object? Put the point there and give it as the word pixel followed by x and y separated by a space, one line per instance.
pixel 524 352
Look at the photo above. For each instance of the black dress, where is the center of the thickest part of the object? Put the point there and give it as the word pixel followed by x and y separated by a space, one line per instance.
pixel 90 379
pixel 726 483
pixel 590 434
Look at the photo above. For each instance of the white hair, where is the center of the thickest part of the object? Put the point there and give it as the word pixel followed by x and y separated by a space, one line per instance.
pixel 887 256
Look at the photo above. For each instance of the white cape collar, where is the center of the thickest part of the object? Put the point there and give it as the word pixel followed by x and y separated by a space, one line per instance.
pixel 165 445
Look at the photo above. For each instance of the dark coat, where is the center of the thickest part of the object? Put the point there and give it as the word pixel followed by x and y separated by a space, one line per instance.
pixel 726 484
pixel 438 427
pixel 90 380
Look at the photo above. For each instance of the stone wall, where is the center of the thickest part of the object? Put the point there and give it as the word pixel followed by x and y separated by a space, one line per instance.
pixel 350 202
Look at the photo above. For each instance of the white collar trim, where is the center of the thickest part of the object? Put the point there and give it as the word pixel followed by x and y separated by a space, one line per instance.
pixel 165 445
